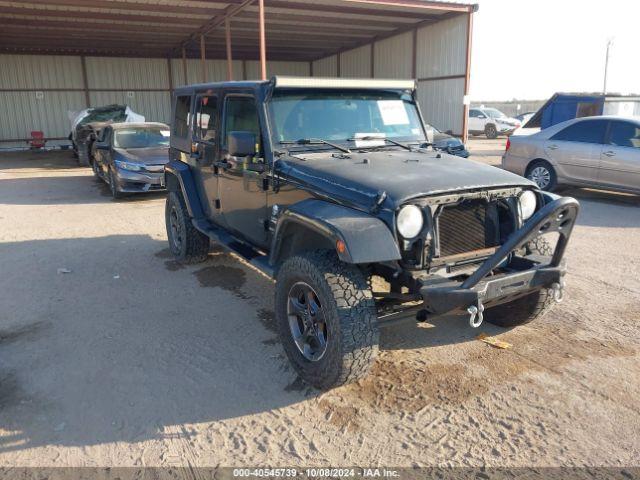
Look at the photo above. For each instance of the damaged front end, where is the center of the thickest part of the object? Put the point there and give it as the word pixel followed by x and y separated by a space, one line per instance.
pixel 475 252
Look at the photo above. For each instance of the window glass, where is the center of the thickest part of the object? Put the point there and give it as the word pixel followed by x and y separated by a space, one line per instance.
pixel 591 131
pixel 494 113
pixel 206 120
pixel 474 113
pixel 141 137
pixel 181 117
pixel 587 109
pixel 624 134
pixel 241 115
pixel 343 116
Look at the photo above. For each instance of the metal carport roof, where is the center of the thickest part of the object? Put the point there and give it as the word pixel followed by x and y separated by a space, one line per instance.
pixel 295 30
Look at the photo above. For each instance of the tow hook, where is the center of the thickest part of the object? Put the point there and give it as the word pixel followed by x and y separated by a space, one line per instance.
pixel 557 291
pixel 476 314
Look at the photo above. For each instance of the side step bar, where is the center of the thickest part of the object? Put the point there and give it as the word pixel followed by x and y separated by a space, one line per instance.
pixel 232 244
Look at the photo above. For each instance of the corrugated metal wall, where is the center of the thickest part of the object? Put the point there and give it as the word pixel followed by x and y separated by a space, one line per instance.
pixel 393 57
pixel 216 71
pixel 326 67
pixel 356 62
pixel 441 51
pixel 38 91
pixel 301 69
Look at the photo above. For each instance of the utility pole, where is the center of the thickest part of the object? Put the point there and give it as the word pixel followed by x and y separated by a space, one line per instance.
pixel 606 65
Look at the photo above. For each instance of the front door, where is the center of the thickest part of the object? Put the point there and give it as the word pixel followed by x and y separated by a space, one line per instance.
pixel 241 194
pixel 620 164
pixel 476 120
pixel 575 150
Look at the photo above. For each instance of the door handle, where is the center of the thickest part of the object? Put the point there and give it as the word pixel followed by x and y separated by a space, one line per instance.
pixel 610 153
pixel 552 147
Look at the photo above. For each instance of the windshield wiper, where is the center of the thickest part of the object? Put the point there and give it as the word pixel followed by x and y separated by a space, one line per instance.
pixel 314 141
pixel 385 139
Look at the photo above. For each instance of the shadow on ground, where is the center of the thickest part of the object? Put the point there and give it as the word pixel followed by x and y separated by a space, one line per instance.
pixel 128 344
pixel 45 160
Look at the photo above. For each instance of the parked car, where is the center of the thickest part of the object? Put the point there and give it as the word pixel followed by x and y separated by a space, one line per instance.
pixel 443 142
pixel 490 122
pixel 599 152
pixel 321 185
pixel 130 157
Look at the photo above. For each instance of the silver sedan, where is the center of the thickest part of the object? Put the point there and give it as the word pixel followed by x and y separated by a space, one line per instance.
pixel 599 152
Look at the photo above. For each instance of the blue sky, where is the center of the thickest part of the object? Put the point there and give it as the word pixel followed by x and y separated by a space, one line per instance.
pixel 529 49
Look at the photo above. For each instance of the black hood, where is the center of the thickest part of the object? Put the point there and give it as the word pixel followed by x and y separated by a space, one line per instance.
pixel 148 156
pixel 358 178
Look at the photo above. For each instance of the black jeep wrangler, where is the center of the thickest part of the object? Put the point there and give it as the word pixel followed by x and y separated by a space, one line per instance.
pixel 330 187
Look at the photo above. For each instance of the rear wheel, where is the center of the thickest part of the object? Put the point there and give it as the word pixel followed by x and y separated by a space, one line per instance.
pixel 490 131
pixel 326 319
pixel 528 308
pixel 187 244
pixel 543 174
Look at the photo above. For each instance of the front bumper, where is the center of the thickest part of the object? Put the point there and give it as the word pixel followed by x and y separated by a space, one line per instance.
pixel 138 182
pixel 519 274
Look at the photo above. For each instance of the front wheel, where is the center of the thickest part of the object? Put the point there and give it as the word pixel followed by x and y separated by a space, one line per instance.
pixel 187 244
pixel 113 186
pixel 326 319
pixel 491 132
pixel 531 306
pixel 543 174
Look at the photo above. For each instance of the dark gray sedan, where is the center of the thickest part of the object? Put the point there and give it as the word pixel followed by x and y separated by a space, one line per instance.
pixel 130 157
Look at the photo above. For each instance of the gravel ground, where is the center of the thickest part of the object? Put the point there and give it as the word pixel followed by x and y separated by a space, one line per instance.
pixel 132 359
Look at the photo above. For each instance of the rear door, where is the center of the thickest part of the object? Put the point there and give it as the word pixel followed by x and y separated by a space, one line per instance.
pixel 620 162
pixel 575 150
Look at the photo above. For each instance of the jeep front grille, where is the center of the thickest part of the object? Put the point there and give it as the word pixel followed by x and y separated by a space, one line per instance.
pixel 468 227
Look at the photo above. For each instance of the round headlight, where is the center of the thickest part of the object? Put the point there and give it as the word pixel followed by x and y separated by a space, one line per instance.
pixel 409 221
pixel 528 203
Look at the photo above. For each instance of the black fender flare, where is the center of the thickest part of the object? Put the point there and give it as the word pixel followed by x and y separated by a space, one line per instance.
pixel 367 238
pixel 183 183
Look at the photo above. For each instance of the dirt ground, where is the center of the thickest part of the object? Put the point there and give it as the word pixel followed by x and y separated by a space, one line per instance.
pixel 132 359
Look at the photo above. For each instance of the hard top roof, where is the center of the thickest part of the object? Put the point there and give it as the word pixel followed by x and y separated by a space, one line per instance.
pixel 280 81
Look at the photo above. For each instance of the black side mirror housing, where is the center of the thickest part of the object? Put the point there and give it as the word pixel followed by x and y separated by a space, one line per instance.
pixel 241 144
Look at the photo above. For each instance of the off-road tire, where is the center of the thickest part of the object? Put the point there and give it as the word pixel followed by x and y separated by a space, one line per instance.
pixel 524 309
pixel 491 131
pixel 349 311
pixel 553 176
pixel 194 246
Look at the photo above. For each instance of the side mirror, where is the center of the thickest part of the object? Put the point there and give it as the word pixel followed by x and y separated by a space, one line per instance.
pixel 241 144
pixel 481 116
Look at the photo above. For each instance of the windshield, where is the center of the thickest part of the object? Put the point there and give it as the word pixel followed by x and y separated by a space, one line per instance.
pixel 493 113
pixel 141 137
pixel 342 117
